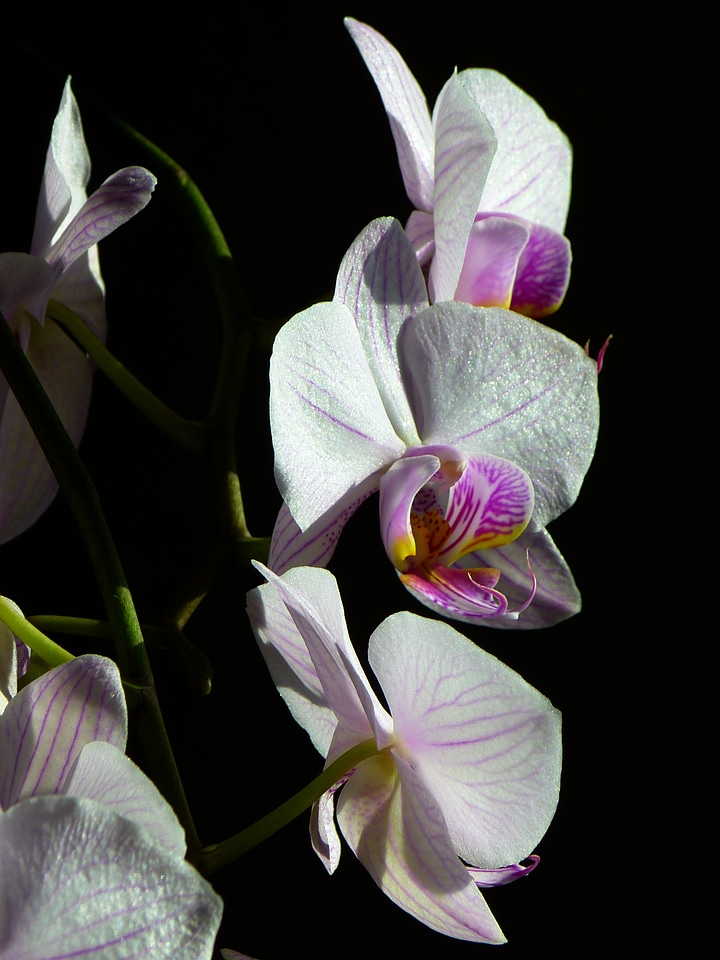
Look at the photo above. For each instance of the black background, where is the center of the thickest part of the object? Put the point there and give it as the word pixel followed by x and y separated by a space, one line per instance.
pixel 280 125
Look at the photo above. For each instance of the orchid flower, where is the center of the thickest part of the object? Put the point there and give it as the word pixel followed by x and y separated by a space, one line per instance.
pixel 468 761
pixel 62 264
pixel 476 425
pixel 489 176
pixel 92 854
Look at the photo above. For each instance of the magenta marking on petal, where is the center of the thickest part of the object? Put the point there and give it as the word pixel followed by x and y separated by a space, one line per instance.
pixel 503 875
pixel 543 273
pixel 456 592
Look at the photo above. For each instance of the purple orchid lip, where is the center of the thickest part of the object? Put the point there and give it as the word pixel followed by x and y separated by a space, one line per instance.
pixel 436 506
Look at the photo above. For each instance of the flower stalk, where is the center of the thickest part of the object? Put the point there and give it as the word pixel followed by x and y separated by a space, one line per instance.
pixel 221 854
pixel 84 503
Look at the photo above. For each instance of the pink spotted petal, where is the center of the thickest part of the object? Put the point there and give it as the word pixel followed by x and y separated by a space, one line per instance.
pixel 45 727
pixel 504 875
pixel 489 271
pixel 543 273
pixel 292 547
pixel 399 834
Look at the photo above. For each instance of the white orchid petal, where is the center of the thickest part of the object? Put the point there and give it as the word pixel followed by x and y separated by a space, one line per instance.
pixel 399 834
pixel 103 773
pixel 484 742
pixel 406 108
pixel 325 408
pixel 78 880
pixel 67 171
pixel 28 484
pixel 490 381
pixel 530 175
pixel 464 149
pixel 420 229
pixel 313 601
pixel 47 724
pixel 290 665
pixel 313 547
pixel 323 832
pixel 116 201
pixel 384 298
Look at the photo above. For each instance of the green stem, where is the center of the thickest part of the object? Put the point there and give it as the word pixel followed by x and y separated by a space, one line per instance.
pixel 84 503
pixel 188 434
pixel 12 616
pixel 237 334
pixel 221 854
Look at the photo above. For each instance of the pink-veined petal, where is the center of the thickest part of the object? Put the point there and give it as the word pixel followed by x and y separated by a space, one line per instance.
pixel 484 742
pixel 292 547
pixel 44 728
pixel 543 273
pixel 313 601
pixel 406 108
pixel 103 773
pixel 489 271
pixel 530 174
pixel 381 284
pixel 420 229
pixel 116 201
pixel 290 664
pixel 490 381
pixel 468 595
pixel 400 836
pixel 67 171
pixel 556 595
pixel 80 881
pixel 330 429
pixel 464 148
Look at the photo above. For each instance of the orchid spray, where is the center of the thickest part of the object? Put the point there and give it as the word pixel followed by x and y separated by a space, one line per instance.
pixel 145 756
